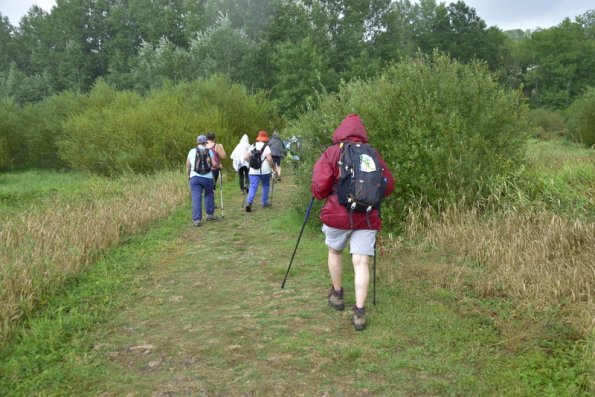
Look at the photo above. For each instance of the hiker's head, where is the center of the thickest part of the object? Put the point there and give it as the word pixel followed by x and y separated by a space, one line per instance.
pixel 351 129
pixel 275 133
pixel 211 136
pixel 262 136
pixel 201 139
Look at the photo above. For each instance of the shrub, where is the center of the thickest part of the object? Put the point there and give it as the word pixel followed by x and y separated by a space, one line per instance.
pixel 582 118
pixel 28 134
pixel 121 131
pixel 445 129
pixel 10 146
pixel 548 123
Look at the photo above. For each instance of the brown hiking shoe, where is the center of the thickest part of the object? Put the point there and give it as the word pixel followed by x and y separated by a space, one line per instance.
pixel 335 299
pixel 359 318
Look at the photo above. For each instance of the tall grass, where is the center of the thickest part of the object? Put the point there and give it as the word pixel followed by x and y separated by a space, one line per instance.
pixel 535 256
pixel 532 242
pixel 57 237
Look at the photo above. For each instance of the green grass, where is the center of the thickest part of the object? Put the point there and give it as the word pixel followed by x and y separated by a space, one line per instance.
pixel 199 311
pixel 51 354
pixel 21 189
pixel 560 177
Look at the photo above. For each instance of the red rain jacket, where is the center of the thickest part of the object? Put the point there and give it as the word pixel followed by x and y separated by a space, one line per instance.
pixel 325 177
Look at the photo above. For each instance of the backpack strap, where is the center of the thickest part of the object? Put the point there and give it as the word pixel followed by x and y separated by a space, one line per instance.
pixel 261 151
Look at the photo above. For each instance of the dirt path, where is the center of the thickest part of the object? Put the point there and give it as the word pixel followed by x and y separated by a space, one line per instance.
pixel 213 319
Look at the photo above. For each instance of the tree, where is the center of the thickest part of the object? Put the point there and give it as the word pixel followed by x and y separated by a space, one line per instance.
pixel 562 62
pixel 7 49
pixel 221 49
pixel 298 68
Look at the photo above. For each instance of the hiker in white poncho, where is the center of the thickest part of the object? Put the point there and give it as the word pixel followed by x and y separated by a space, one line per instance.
pixel 240 164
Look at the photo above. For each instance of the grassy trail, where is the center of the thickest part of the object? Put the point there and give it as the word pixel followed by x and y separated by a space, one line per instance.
pixel 213 319
pixel 185 311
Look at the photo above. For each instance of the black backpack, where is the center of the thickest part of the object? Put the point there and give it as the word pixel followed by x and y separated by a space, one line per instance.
pixel 256 157
pixel 361 185
pixel 202 161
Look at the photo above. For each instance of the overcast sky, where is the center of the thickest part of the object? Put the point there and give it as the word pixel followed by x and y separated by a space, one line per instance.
pixel 506 14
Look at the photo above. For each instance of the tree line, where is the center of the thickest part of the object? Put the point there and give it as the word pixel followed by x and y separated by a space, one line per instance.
pixel 291 49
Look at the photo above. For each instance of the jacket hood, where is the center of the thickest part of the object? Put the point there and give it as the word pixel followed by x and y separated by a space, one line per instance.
pixel 244 141
pixel 241 148
pixel 351 129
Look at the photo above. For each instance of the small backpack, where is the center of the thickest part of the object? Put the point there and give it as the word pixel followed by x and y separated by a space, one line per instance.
pixel 276 145
pixel 215 154
pixel 202 161
pixel 256 157
pixel 361 184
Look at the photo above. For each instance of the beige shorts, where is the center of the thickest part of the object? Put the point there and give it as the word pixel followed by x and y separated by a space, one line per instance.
pixel 361 242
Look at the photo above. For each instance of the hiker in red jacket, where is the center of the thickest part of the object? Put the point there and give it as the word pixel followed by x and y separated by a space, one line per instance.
pixel 340 224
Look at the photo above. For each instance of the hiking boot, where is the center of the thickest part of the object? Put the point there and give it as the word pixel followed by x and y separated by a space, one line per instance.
pixel 197 223
pixel 359 318
pixel 249 208
pixel 335 299
pixel 267 205
pixel 211 218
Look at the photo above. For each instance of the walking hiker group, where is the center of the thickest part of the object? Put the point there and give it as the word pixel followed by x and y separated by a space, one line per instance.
pixel 351 176
pixel 255 165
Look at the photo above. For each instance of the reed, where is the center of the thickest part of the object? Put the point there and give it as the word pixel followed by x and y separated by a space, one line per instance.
pixel 58 237
pixel 534 256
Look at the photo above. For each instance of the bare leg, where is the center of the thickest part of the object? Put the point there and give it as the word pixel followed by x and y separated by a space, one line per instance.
pixel 335 267
pixel 362 278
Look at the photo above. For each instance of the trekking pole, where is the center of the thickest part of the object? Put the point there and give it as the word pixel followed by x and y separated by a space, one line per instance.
pixel 221 189
pixel 298 241
pixel 272 188
pixel 374 278
pixel 243 195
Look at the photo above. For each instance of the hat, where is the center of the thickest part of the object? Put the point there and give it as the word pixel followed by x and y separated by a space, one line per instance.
pixel 201 139
pixel 262 136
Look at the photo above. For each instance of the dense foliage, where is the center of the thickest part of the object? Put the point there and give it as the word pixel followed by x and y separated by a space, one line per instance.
pixel 582 118
pixel 109 132
pixel 140 45
pixel 94 77
pixel 446 130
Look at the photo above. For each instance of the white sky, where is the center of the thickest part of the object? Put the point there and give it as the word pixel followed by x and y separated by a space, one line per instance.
pixel 506 14
pixel 528 14
pixel 15 9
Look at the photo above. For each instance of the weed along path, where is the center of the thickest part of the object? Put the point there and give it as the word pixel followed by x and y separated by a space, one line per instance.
pixel 200 312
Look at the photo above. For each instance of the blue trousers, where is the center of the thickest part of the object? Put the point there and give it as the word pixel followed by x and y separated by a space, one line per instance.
pixel 266 183
pixel 198 186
